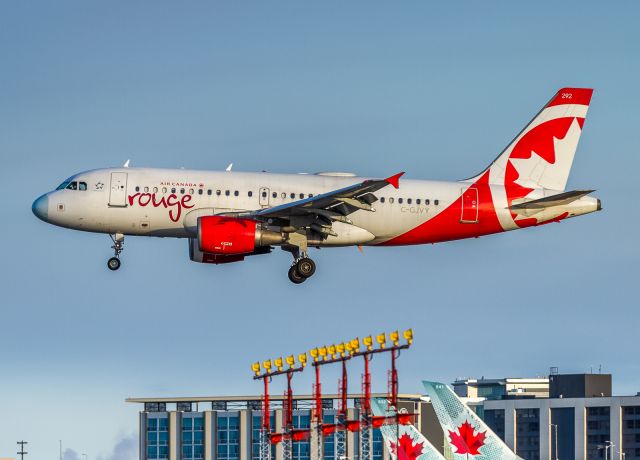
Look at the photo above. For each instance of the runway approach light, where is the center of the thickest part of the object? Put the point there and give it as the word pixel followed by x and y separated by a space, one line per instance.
pixel 255 367
pixel 408 335
pixel 267 365
pixel 381 339
pixel 291 361
pixel 368 342
pixel 323 352
pixel 395 337
pixel 314 354
pixel 279 363
pixel 332 350
pixel 340 349
pixel 355 345
pixel 302 357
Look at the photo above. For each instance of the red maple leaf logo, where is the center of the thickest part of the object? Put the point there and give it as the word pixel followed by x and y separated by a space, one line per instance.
pixel 408 450
pixel 465 441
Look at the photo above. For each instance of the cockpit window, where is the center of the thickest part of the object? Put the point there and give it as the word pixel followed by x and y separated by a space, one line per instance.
pixel 72 186
pixel 82 185
pixel 63 185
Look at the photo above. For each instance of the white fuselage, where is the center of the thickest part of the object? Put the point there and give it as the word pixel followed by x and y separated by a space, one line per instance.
pixel 167 203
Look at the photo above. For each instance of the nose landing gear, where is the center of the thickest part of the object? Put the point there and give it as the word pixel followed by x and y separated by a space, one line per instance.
pixel 118 247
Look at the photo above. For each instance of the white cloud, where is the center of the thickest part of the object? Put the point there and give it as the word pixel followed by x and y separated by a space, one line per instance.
pixel 125 449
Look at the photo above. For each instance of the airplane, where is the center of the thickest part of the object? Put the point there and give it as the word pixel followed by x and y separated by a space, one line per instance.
pixel 403 441
pixel 466 433
pixel 227 216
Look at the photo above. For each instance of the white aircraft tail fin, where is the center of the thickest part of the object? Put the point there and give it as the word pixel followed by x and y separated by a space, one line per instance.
pixel 541 155
pixel 412 444
pixel 468 436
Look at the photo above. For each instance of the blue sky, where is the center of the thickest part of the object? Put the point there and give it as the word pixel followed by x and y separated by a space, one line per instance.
pixel 370 87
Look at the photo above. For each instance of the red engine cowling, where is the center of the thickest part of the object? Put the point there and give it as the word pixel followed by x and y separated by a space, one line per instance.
pixel 226 235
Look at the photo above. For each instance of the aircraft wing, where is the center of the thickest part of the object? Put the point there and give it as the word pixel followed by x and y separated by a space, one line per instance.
pixel 318 212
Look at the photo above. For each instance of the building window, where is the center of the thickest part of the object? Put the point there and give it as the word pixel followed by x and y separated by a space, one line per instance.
pixel 256 427
pixel 494 418
pixel 631 432
pixel 157 438
pixel 329 441
pixel 228 434
pixel 302 449
pixel 597 431
pixel 377 444
pixel 528 433
pixel 192 437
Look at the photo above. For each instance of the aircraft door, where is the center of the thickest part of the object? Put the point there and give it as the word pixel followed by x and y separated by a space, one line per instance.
pixel 118 191
pixel 469 206
pixel 264 197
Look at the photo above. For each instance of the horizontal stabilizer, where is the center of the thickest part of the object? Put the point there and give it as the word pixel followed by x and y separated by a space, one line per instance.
pixel 553 200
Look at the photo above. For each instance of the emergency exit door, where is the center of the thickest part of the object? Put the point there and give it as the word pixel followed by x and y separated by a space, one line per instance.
pixel 469 206
pixel 118 191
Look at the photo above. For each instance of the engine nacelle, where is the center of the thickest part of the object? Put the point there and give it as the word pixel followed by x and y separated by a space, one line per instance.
pixel 233 235
pixel 196 255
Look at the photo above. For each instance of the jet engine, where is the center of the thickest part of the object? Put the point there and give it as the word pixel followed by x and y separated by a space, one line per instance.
pixel 196 255
pixel 220 235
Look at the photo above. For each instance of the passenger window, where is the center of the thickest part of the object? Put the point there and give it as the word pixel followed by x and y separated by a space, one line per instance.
pixel 164 189
pixel 293 196
pixel 417 200
pixel 274 194
pixel 173 190
pixel 408 200
pixel 250 193
pixel 146 189
pixel 264 194
pixel 218 192
pixel 82 186
pixel 283 195
pixel 427 202
pixel 301 196
pixel 310 195
pixel 209 192
pixel 382 200
pixel 155 189
pixel 236 193
pixel 400 200
pixel 391 200
pixel 72 186
pixel 436 202
pixel 137 188
pixel 200 191
pixel 191 192
pixel 227 193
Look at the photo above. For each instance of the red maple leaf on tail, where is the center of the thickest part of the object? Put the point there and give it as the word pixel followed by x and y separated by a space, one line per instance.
pixel 465 441
pixel 408 450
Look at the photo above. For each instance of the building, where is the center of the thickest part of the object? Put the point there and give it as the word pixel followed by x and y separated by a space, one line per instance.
pixel 502 388
pixel 563 417
pixel 228 427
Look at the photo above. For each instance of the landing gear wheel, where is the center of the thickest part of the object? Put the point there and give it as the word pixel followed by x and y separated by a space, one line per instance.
pixel 306 267
pixel 296 277
pixel 113 263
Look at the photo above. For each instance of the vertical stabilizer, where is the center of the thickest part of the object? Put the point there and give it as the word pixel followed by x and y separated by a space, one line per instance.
pixel 541 155
pixel 468 435
pixel 413 445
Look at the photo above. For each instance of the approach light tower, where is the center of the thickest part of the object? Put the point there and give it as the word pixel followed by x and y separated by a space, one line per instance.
pixel 266 436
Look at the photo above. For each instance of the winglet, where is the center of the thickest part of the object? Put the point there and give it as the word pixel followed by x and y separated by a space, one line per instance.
pixel 395 179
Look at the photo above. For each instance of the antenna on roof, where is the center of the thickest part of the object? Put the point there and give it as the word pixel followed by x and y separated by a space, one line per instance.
pixel 229 167
pixel 126 164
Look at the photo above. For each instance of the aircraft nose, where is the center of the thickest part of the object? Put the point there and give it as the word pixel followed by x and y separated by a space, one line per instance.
pixel 40 207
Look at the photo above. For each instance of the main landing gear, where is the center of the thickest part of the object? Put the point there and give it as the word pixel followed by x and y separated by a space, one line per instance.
pixel 302 269
pixel 118 247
